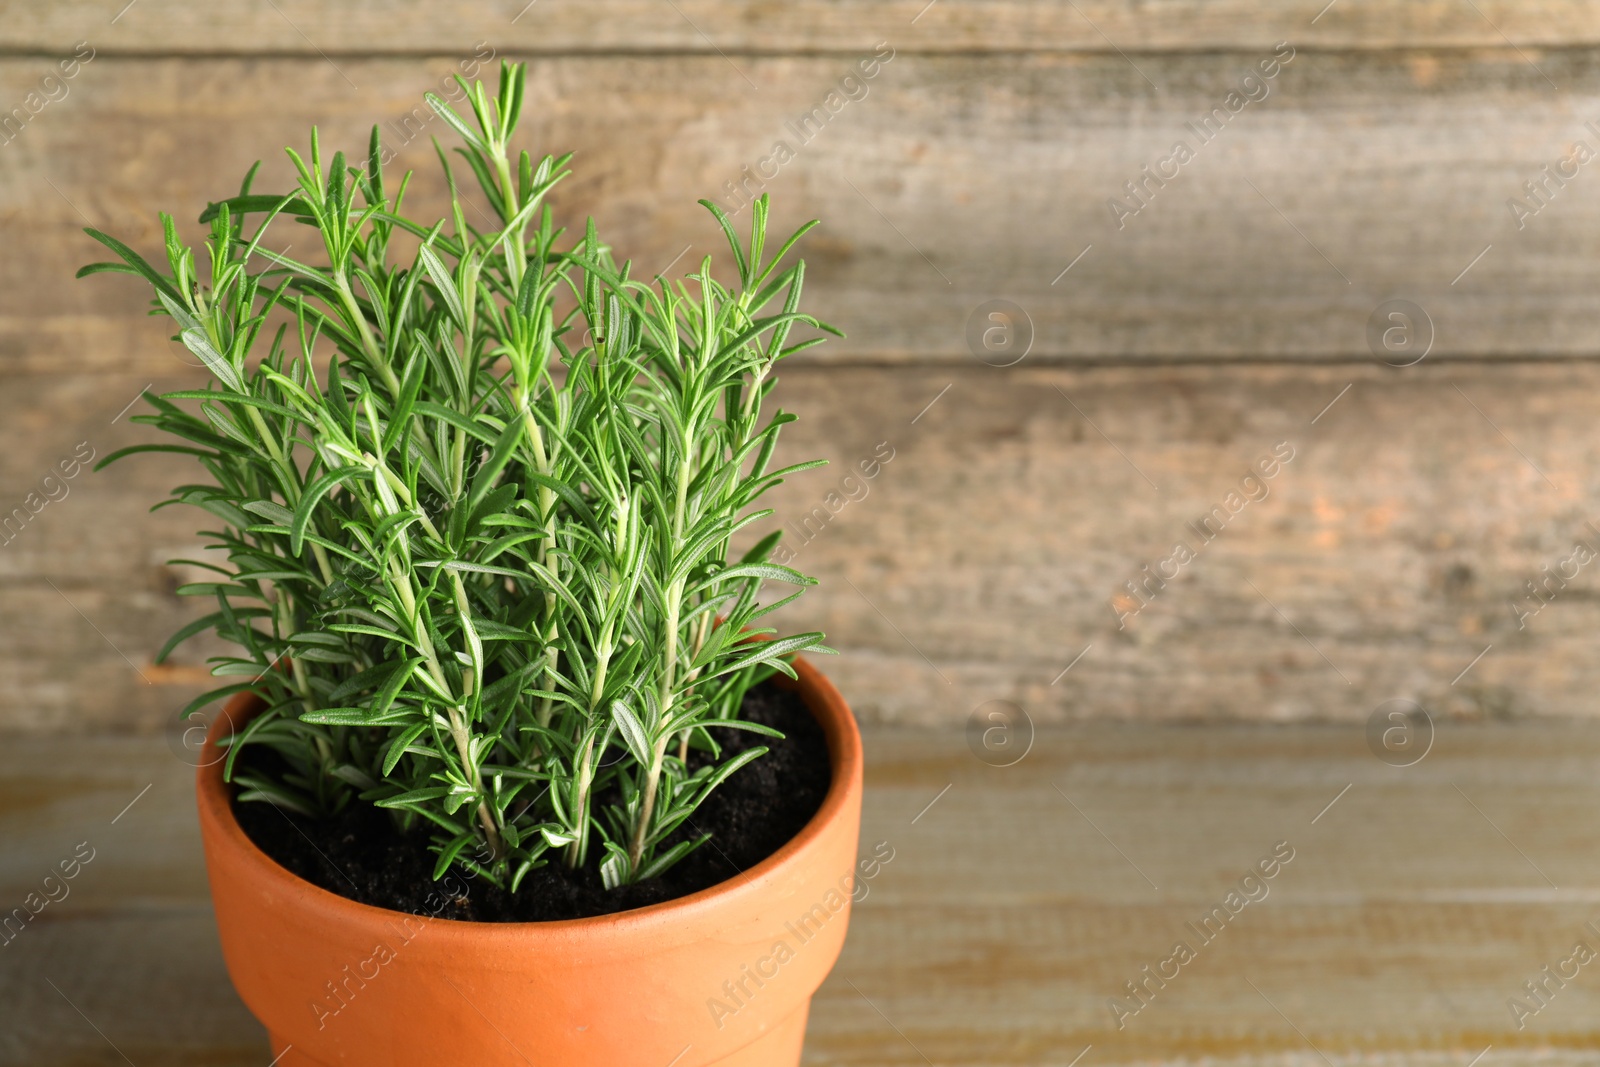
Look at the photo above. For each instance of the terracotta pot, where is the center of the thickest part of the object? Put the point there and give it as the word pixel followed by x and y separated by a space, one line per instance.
pixel 724 976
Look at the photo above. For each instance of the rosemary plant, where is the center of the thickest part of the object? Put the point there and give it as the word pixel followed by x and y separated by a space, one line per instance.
pixel 477 503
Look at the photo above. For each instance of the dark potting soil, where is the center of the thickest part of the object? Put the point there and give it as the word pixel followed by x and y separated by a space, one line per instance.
pixel 360 854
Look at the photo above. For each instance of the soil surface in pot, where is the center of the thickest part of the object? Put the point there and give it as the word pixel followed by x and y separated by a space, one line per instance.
pixel 360 854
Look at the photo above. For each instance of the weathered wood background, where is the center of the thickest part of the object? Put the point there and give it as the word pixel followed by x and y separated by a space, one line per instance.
pixel 1216 323
pixel 1397 935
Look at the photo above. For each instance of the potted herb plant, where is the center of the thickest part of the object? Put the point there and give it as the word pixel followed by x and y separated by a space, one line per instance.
pixel 496 668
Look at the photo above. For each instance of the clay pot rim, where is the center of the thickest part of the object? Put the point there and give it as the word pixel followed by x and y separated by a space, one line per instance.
pixel 822 699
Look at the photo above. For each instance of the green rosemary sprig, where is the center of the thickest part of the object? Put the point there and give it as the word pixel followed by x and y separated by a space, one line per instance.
pixel 477 503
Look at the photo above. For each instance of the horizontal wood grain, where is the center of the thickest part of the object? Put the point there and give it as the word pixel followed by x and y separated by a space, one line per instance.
pixel 955 180
pixel 994 547
pixel 997 546
pixel 987 560
pixel 988 555
pixel 705 26
pixel 1016 902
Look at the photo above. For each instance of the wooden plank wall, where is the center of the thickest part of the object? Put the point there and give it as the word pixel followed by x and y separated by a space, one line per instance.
pixel 1189 339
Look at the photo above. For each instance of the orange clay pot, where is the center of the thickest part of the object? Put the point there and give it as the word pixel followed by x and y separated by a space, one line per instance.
pixel 723 976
